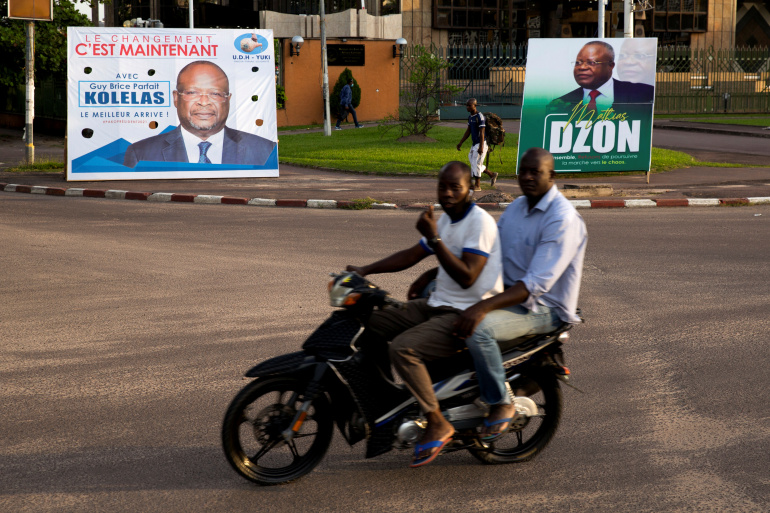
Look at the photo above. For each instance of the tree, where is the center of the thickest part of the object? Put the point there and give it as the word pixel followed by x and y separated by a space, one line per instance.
pixel 50 44
pixel 417 112
pixel 334 98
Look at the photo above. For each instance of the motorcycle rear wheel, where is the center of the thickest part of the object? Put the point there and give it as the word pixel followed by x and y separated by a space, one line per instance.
pixel 254 421
pixel 522 443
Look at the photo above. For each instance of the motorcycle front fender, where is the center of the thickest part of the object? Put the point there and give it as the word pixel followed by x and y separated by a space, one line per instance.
pixel 284 364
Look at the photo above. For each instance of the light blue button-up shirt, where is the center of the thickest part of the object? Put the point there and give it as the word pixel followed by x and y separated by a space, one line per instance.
pixel 544 249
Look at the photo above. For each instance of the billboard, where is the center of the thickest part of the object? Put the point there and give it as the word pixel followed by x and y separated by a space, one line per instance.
pixel 170 103
pixel 590 103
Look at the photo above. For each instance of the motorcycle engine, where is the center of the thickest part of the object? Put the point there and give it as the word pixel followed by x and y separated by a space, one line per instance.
pixel 410 431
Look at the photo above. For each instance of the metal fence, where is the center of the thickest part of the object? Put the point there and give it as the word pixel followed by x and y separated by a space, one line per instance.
pixel 50 99
pixel 687 81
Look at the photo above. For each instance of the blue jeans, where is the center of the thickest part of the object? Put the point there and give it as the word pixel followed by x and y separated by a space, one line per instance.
pixel 343 113
pixel 505 324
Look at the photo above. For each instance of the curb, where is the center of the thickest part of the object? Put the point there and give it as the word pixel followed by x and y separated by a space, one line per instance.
pixel 164 197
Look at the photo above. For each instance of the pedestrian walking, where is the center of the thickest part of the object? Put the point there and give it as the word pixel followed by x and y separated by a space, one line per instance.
pixel 346 105
pixel 479 147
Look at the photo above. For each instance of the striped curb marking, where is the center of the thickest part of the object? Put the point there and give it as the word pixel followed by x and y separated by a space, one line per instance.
pixel 162 197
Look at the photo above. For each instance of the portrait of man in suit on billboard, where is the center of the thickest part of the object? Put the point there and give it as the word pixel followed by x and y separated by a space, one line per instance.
pixel 202 100
pixel 637 59
pixel 592 70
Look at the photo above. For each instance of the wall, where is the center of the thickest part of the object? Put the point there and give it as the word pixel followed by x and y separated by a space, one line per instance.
pixel 721 26
pixel 418 21
pixel 350 23
pixel 303 80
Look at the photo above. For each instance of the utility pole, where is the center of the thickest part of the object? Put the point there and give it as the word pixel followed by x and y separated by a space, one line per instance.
pixel 601 19
pixel 628 18
pixel 28 11
pixel 30 91
pixel 327 121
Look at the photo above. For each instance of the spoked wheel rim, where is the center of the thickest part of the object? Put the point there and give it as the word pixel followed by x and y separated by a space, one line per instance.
pixel 253 432
pixel 526 431
pixel 527 435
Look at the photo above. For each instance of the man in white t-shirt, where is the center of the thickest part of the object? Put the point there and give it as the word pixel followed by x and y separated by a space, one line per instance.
pixel 466 244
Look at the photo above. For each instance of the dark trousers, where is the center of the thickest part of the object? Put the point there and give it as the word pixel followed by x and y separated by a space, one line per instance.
pixel 419 333
pixel 343 113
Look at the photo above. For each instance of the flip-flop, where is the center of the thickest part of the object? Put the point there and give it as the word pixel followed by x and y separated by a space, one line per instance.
pixel 495 436
pixel 439 444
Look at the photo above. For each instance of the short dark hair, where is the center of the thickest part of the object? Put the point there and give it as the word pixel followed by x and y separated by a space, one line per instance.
pixel 606 46
pixel 539 154
pixel 465 168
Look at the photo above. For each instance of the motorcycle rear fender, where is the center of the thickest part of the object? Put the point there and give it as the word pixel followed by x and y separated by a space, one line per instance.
pixel 291 363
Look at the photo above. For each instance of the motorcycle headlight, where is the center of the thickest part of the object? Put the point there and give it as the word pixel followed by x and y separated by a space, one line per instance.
pixel 340 289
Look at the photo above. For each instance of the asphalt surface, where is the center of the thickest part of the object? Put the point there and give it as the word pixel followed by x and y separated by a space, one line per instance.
pixel 721 143
pixel 126 327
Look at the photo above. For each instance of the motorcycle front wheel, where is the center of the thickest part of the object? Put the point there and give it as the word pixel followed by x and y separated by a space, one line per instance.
pixel 253 426
pixel 527 438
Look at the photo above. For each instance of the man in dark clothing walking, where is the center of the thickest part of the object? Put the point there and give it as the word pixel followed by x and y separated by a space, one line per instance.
pixel 346 105
pixel 476 127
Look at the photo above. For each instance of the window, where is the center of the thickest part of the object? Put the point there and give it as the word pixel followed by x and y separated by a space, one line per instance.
pixel 480 21
pixel 680 16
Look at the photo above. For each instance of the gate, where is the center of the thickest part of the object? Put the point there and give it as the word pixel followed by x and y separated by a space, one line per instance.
pixel 735 80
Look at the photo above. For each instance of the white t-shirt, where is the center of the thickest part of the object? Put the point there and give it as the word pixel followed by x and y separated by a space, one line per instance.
pixel 475 233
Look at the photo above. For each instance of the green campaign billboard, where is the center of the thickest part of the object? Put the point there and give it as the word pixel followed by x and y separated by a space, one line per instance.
pixel 590 103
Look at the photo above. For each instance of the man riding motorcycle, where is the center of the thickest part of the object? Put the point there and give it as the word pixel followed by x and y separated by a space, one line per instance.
pixel 466 244
pixel 544 241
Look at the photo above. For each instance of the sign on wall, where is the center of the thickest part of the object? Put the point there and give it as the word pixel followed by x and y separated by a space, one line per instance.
pixel 346 55
pixel 170 103
pixel 590 102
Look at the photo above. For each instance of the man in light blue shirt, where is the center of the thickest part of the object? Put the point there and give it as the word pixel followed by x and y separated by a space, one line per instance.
pixel 543 240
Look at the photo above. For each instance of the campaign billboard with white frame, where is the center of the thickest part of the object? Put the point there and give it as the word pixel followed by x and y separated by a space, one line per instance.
pixel 170 103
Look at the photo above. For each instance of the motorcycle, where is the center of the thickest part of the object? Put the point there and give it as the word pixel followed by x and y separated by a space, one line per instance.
pixel 279 427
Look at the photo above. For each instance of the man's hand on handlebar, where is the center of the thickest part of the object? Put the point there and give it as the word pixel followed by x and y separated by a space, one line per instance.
pixel 355 269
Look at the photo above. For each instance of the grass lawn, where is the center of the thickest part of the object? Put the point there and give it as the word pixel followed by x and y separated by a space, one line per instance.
pixel 724 119
pixel 40 166
pixel 368 151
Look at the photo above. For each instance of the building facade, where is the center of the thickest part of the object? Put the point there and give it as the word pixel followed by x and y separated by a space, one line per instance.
pixel 699 24
pixel 714 24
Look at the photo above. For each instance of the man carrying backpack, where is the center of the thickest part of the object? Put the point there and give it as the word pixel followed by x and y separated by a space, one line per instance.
pixel 476 127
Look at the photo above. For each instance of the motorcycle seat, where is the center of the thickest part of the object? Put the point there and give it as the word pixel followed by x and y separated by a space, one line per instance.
pixel 460 361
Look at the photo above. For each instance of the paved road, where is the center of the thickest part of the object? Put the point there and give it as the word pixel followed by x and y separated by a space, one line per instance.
pixel 708 147
pixel 126 327
pixel 754 151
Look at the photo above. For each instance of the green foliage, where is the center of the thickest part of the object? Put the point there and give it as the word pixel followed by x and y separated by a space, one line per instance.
pixel 417 115
pixel 361 204
pixel 280 96
pixel 50 43
pixel 40 166
pixel 334 97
